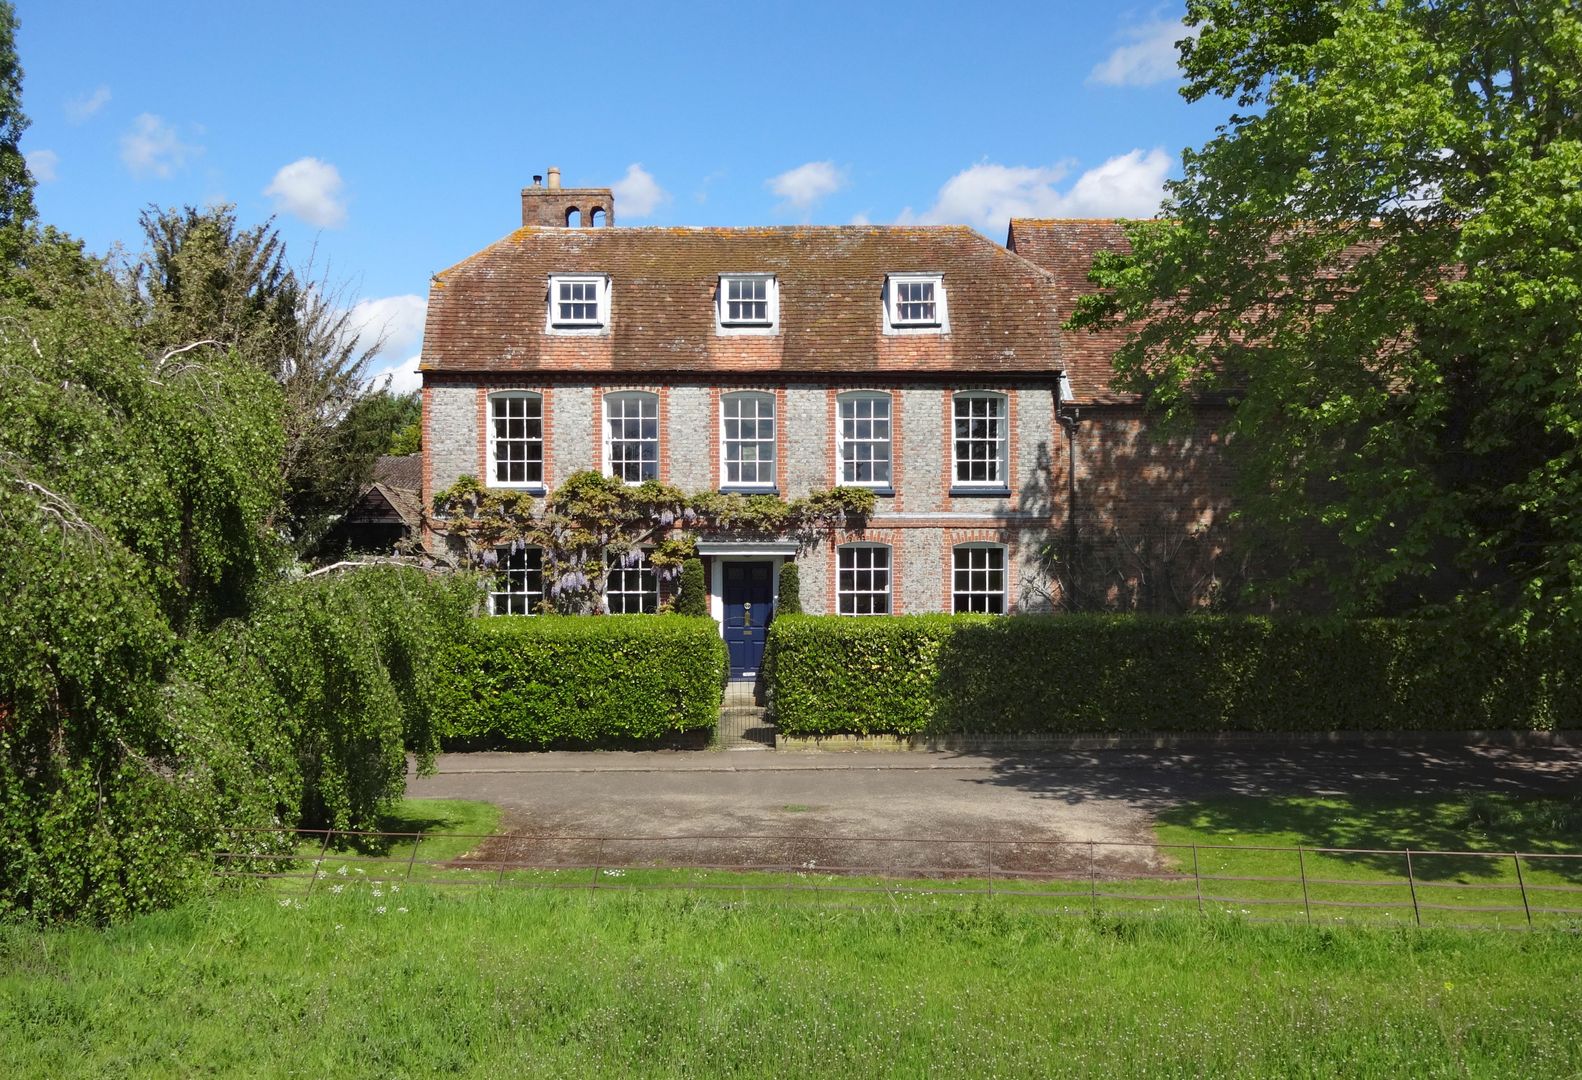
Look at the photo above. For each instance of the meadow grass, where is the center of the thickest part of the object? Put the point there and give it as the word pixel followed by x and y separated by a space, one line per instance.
pixel 380 975
pixel 485 983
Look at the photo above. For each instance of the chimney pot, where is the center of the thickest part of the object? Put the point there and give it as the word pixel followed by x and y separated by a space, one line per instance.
pixel 538 180
pixel 554 176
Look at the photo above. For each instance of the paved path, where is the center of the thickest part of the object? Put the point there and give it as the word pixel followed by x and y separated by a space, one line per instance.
pixel 1102 796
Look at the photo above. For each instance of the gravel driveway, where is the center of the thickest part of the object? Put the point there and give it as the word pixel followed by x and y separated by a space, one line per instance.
pixel 917 811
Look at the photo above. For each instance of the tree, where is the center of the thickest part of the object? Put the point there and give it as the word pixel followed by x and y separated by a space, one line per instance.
pixel 1378 259
pixel 16 185
pixel 204 278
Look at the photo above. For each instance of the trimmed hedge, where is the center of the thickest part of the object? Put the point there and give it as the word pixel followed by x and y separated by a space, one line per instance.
pixel 1071 674
pixel 578 679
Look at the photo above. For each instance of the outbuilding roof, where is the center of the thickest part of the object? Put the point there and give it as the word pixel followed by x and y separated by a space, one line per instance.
pixel 1065 247
pixel 488 313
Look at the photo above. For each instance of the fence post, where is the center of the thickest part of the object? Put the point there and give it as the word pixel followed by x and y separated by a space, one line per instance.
pixel 1521 883
pixel 413 858
pixel 317 863
pixel 1411 881
pixel 1301 862
pixel 598 863
pixel 991 867
pixel 1197 877
pixel 1093 879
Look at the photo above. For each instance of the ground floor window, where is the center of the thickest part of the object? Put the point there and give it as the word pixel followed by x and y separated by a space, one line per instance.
pixel 518 581
pixel 979 583
pixel 864 587
pixel 631 588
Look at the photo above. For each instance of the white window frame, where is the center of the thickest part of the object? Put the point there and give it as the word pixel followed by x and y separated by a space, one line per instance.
pixel 759 396
pixel 493 439
pixel 1002 441
pixel 623 396
pixel 531 597
pixel 648 598
pixel 855 594
pixel 598 325
pixel 956 570
pixel 893 324
pixel 849 397
pixel 726 326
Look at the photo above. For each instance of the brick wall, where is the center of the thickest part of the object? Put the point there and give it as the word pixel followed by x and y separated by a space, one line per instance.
pixel 1129 483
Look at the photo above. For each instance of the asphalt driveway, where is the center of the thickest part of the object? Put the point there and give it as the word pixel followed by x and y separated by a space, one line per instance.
pixel 918 810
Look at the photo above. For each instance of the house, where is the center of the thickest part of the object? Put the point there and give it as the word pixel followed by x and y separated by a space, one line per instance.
pixel 926 363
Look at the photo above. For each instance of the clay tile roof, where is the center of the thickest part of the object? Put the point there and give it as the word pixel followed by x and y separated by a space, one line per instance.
pixel 399 471
pixel 1065 247
pixel 487 313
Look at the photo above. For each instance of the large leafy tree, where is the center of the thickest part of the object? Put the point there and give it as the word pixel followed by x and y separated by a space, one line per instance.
pixel 16 185
pixel 203 277
pixel 1378 258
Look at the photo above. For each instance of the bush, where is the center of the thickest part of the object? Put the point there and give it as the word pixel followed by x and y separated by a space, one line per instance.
pixel 1070 674
pixel 575 679
pixel 790 600
pixel 693 599
pixel 355 661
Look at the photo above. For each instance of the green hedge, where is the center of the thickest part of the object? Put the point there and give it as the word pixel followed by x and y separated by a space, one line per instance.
pixel 580 679
pixel 1068 674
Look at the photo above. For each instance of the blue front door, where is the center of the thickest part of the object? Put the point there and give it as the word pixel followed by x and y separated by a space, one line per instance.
pixel 749 589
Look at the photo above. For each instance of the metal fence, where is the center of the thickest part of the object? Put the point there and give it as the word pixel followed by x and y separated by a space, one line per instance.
pixel 1464 889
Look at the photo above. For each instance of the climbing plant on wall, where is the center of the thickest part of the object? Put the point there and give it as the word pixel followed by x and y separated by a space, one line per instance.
pixel 592 522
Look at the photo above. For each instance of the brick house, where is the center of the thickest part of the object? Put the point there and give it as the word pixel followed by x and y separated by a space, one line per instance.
pixel 927 363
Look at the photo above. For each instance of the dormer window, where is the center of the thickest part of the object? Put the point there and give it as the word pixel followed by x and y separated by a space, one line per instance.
pixel 579 302
pixel 748 304
pixel 915 302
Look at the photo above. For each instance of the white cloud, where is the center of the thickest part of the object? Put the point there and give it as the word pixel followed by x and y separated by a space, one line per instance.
pixel 397 322
pixel 152 148
pixel 310 189
pixel 987 195
pixel 80 108
pixel 861 218
pixel 401 378
pixel 638 194
pixel 1148 57
pixel 42 163
pixel 807 184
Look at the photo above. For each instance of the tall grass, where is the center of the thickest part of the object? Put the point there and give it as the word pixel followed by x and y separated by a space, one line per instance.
pixel 418 980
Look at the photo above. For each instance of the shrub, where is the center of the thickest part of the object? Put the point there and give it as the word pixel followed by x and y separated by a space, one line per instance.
pixel 559 679
pixel 790 600
pixel 694 596
pixel 1068 674
pixel 355 661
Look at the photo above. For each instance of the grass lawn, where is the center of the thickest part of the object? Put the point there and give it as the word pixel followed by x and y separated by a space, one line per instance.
pixel 386 978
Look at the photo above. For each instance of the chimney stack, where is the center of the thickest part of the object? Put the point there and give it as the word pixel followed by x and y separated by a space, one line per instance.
pixel 555 207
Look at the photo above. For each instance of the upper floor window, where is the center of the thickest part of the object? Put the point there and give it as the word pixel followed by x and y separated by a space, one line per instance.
pixel 979 578
pixel 863 586
pixel 863 439
pixel 748 303
pixel 915 302
pixel 516 440
pixel 630 587
pixel 579 302
pixel 980 439
pixel 518 580
pixel 748 439
pixel 631 436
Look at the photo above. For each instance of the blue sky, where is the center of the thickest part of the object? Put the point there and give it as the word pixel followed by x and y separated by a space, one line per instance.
pixel 390 140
